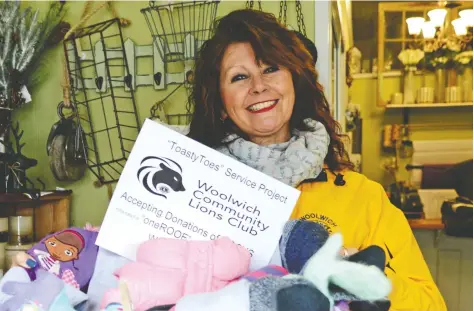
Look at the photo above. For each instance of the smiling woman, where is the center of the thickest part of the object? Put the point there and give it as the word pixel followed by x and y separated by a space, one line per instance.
pixel 258 97
pixel 261 86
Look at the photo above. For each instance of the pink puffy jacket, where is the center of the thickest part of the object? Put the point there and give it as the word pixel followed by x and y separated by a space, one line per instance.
pixel 167 269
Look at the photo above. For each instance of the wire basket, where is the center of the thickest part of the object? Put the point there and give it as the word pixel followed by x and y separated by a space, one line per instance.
pixel 107 113
pixel 179 29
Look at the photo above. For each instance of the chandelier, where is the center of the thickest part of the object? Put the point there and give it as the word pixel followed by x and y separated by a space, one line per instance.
pixel 439 24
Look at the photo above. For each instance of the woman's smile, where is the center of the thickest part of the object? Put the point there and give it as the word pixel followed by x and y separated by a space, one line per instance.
pixel 262 106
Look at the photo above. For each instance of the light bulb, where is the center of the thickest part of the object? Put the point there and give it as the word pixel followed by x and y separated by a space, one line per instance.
pixel 414 25
pixel 437 16
pixel 429 30
pixel 459 27
pixel 467 16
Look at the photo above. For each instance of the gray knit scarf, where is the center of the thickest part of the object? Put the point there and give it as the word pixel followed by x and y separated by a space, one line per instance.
pixel 300 158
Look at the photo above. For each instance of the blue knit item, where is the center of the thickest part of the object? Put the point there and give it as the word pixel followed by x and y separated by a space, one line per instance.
pixel 300 240
pixel 301 297
pixel 264 294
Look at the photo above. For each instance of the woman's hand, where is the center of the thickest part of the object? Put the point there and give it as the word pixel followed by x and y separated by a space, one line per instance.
pixel 346 252
pixel 22 259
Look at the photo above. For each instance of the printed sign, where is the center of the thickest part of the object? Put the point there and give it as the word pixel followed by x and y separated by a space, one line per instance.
pixel 175 187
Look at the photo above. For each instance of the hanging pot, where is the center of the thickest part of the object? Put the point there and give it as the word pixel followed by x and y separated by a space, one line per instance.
pixel 66 148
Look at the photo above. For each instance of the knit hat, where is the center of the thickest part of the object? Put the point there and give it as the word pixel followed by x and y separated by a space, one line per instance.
pixel 300 240
pixel 69 254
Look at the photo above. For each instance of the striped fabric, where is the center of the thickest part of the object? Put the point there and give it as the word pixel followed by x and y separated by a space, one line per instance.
pixel 272 270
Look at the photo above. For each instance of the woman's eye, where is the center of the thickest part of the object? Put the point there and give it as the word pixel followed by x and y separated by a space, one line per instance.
pixel 271 69
pixel 238 77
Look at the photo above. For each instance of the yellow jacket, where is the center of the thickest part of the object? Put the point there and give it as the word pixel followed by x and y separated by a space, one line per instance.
pixel 362 212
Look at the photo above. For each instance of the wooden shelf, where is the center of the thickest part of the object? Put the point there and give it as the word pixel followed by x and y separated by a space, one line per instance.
pixel 386 74
pixel 22 198
pixel 426 224
pixel 435 105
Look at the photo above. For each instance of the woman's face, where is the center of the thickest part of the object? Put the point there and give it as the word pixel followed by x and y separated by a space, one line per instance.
pixel 258 98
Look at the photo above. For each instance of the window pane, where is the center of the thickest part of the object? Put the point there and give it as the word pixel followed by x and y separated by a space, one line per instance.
pixel 364 18
pixel 393 25
pixel 391 62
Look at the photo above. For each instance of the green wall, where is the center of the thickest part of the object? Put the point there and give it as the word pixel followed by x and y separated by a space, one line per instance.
pixel 363 93
pixel 36 118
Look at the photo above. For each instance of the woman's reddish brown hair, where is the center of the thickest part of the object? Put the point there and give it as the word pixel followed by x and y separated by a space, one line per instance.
pixel 273 44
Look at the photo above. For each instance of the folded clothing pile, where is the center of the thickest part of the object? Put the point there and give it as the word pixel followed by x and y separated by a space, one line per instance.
pixel 314 276
pixel 180 275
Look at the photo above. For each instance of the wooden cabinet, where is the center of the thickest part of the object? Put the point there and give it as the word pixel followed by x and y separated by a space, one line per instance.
pixel 450 262
pixel 51 212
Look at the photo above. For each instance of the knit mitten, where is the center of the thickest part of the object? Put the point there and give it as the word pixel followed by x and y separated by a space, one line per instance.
pixel 300 240
pixel 371 256
pixel 340 279
pixel 374 256
pixel 46 293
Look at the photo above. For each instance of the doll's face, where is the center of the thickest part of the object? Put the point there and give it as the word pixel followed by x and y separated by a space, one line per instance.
pixel 61 251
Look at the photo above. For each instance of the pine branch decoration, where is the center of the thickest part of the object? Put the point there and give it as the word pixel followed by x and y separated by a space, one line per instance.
pixel 23 39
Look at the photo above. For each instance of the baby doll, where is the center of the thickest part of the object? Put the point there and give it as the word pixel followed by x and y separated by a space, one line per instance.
pixel 69 254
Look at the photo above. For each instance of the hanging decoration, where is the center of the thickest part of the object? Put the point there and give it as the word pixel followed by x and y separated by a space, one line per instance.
pixel 65 147
pixel 109 120
pixel 106 120
pixel 178 29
